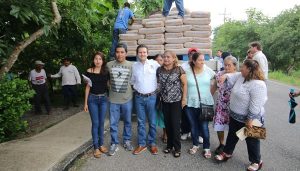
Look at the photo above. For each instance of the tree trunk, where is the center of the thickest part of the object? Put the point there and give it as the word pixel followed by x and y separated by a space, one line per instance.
pixel 22 45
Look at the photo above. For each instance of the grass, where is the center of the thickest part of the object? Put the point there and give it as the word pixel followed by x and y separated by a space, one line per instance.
pixel 291 79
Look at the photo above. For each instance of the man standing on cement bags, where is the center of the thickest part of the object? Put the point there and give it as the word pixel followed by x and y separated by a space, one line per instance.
pixel 120 27
pixel 260 57
pixel 168 5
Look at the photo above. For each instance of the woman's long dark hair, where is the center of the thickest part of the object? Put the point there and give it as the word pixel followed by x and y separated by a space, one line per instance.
pixel 195 56
pixel 103 67
pixel 255 72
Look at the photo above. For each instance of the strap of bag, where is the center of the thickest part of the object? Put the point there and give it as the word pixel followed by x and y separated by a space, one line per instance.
pixel 196 85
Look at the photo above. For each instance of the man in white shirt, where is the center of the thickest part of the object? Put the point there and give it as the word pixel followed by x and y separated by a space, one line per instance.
pixel 144 82
pixel 38 79
pixel 260 57
pixel 70 78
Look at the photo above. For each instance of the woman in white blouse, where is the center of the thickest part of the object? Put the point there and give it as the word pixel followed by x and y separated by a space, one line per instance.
pixel 247 100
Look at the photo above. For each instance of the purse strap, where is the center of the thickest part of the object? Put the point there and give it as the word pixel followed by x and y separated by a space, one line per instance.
pixel 196 85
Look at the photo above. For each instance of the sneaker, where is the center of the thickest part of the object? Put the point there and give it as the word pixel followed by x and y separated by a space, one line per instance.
pixel 207 153
pixel 113 149
pixel 127 145
pixel 194 149
pixel 184 136
pixel 139 150
pixel 200 140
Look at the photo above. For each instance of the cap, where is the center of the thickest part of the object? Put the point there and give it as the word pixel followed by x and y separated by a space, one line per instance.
pixel 39 63
pixel 192 50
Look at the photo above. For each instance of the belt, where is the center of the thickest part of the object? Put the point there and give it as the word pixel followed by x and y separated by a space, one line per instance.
pixel 98 94
pixel 146 95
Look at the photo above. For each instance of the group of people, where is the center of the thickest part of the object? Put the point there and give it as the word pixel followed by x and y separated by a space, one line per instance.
pixel 182 90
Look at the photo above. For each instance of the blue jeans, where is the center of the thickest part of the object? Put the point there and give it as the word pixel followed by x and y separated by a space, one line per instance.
pixel 115 41
pixel 116 111
pixel 197 126
pixel 145 106
pixel 168 5
pixel 97 108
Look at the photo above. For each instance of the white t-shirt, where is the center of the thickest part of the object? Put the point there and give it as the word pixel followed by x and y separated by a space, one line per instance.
pixel 263 62
pixel 37 78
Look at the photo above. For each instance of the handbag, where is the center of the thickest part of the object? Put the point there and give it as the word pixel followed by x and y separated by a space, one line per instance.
pixel 207 111
pixel 255 132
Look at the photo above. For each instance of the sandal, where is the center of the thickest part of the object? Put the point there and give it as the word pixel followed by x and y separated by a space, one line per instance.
pixel 222 157
pixel 194 149
pixel 176 154
pixel 167 150
pixel 255 166
pixel 207 154
pixel 97 153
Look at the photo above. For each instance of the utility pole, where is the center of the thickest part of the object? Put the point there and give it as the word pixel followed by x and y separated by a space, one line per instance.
pixel 225 14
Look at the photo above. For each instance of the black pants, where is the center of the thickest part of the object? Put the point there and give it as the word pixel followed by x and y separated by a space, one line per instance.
pixel 41 95
pixel 172 115
pixel 185 124
pixel 70 94
pixel 253 144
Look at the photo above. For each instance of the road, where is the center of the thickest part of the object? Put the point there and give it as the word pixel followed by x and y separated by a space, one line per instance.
pixel 280 151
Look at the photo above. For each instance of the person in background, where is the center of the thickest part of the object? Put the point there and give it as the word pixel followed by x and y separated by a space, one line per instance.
pixel 218 58
pixel 223 56
pixel 172 85
pixel 145 85
pixel 70 79
pixel 168 5
pixel 120 98
pixel 159 115
pixel 249 54
pixel 247 100
pixel 260 57
pixel 221 119
pixel 205 79
pixel 120 26
pixel 95 100
pixel 38 81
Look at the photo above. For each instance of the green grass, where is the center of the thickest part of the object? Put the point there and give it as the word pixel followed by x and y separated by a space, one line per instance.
pixel 292 79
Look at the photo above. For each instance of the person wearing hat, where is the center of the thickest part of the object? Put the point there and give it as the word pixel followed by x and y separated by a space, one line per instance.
pixel 70 78
pixel 38 79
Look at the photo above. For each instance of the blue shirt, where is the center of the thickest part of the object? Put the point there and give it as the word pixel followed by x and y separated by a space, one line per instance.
pixel 122 19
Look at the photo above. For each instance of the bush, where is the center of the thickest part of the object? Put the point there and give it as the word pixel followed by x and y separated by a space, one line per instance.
pixel 14 102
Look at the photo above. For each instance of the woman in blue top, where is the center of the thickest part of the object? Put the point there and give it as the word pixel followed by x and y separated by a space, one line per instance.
pixel 204 76
pixel 95 100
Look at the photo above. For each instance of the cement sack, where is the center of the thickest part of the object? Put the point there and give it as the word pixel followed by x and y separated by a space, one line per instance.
pixel 180 40
pixel 154 24
pixel 203 34
pixel 201 40
pixel 197 45
pixel 131 48
pixel 132 32
pixel 156 47
pixel 201 28
pixel 129 43
pixel 157 30
pixel 155 52
pixel 206 51
pixel 186 11
pixel 131 53
pixel 176 16
pixel 131 36
pixel 200 14
pixel 174 12
pixel 182 51
pixel 151 41
pixel 135 26
pixel 173 35
pixel 174 22
pixel 178 29
pixel 173 46
pixel 156 16
pixel 152 19
pixel 196 21
pixel 138 21
pixel 155 36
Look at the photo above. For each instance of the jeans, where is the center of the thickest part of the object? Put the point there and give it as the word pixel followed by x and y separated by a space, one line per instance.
pixel 115 42
pixel 145 107
pixel 168 5
pixel 185 124
pixel 253 144
pixel 41 94
pixel 172 114
pixel 70 94
pixel 97 107
pixel 198 127
pixel 116 111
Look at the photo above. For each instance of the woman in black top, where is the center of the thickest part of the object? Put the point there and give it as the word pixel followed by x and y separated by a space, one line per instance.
pixel 95 100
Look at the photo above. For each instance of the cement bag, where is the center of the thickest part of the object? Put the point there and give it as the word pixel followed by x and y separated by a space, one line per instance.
pixel 156 16
pixel 131 36
pixel 151 30
pixel 203 34
pixel 151 41
pixel 135 26
pixel 174 12
pixel 201 28
pixel 206 51
pixel 173 35
pixel 200 14
pixel 155 36
pixel 132 32
pixel 178 29
pixel 182 51
pixel 144 21
pixel 179 40
pixel 178 17
pixel 154 24
pixel 174 22
pixel 155 52
pixel 173 46
pixel 201 40
pixel 197 45
pixel 131 48
pixel 138 21
pixel 156 47
pixel 196 21
pixel 131 53
pixel 129 43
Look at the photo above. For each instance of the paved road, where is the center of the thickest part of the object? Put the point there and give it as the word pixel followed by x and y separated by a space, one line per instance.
pixel 281 150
